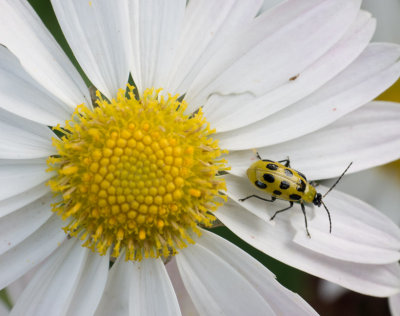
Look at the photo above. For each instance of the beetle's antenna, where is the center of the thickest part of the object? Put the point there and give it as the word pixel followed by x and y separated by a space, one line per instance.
pixel 330 189
pixel 329 216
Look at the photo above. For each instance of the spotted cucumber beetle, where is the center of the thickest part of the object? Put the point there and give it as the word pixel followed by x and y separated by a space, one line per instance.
pixel 282 182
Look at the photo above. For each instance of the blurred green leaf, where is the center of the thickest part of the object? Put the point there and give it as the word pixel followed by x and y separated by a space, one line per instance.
pixel 5 298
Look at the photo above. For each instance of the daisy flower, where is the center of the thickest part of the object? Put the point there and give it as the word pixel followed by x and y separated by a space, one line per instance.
pixel 136 175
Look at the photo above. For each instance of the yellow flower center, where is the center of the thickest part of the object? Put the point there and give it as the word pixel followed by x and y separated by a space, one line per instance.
pixel 138 175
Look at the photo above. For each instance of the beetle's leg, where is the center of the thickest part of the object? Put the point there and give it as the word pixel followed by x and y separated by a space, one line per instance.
pixel 258 197
pixel 280 211
pixel 305 218
pixel 286 161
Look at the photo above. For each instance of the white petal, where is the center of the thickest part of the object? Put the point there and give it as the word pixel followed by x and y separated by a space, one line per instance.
pixel 25 35
pixel 378 187
pixel 15 202
pixel 207 25
pixel 216 287
pixel 23 139
pixel 155 30
pixel 394 304
pixel 22 95
pixel 374 71
pixel 51 289
pixel 370 279
pixel 369 136
pixel 15 289
pixel 278 45
pixel 150 284
pixel 281 300
pixel 20 224
pixel 185 302
pixel 23 257
pixel 98 33
pixel 360 233
pixel 268 4
pixel 339 247
pixel 133 287
pixel 4 310
pixel 91 285
pixel 21 175
pixel 116 295
pixel 227 113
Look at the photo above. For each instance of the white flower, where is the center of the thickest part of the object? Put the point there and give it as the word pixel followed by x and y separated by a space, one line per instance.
pixel 291 82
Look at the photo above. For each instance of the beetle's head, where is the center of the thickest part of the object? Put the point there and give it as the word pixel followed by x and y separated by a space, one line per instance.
pixel 317 199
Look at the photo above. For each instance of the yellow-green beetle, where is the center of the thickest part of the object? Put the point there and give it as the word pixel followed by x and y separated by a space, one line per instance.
pixel 282 182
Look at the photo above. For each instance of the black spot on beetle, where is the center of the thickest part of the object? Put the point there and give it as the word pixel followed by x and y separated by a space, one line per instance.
pixel 269 177
pixel 302 186
pixel 284 185
pixel 288 172
pixel 295 197
pixel 272 166
pixel 260 184
pixel 277 192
